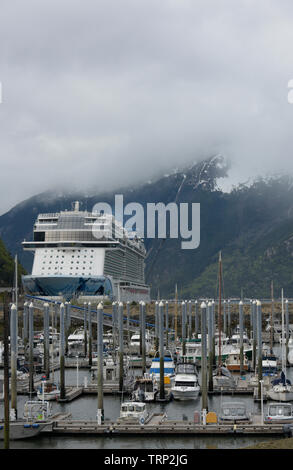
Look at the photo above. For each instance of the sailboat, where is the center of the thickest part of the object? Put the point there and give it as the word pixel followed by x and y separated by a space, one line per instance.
pixel 282 390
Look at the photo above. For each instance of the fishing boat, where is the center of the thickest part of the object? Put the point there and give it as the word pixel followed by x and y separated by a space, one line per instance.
pixel 234 412
pixel 279 413
pixel 134 345
pixel 185 384
pixel 145 389
pixel 48 391
pixel 133 411
pixel 35 416
pixel 232 361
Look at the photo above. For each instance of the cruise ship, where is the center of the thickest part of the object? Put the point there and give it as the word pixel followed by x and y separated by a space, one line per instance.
pixel 85 256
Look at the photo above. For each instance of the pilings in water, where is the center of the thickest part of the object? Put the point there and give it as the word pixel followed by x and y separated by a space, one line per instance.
pixel 204 394
pixel 241 336
pixel 287 327
pixel 127 321
pixel 100 317
pixel 254 334
pixel 89 306
pixel 210 336
pixel 13 358
pixel 31 348
pixel 167 323
pixel 85 328
pixel 120 329
pixel 225 318
pixel 161 334
pixel 46 340
pixel 140 328
pixel 6 373
pixel 196 318
pixel 114 324
pixel 229 317
pixel 25 325
pixel 143 350
pixel 62 353
pixel 190 319
pixel 66 327
pixel 156 326
pixel 259 345
pixel 213 332
pixel 183 325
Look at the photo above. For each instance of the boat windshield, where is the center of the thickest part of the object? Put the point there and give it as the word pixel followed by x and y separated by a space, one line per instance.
pixel 277 410
pixel 184 384
pixel 234 411
pixel 185 369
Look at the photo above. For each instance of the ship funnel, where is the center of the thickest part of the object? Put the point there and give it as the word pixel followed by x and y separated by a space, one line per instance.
pixel 76 206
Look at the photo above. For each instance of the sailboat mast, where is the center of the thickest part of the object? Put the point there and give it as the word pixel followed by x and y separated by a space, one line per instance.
pixel 272 312
pixel 219 309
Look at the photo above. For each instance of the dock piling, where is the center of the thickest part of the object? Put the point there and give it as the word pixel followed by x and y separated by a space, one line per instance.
pixel 204 395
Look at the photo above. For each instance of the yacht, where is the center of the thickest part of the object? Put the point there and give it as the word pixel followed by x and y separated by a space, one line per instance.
pixel 88 256
pixel 185 384
pixel 134 346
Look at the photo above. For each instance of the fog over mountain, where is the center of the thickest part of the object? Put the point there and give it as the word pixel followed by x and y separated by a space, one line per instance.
pixel 107 94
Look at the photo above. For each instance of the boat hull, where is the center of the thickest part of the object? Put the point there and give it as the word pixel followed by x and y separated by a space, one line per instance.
pixel 280 396
pixel 20 430
pixel 185 394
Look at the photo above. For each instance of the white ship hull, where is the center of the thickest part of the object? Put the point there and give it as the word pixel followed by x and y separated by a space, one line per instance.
pixel 183 393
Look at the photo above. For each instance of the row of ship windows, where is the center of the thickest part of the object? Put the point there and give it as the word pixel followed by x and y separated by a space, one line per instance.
pixel 70 268
pixel 66 250
pixel 62 262
pixel 63 257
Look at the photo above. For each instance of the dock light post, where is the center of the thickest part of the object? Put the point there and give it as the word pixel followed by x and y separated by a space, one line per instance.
pixel 31 348
pixel 13 360
pixel 204 396
pixel 100 317
pixel 161 328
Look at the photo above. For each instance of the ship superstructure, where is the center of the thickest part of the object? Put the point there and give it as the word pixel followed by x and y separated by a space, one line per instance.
pixel 80 254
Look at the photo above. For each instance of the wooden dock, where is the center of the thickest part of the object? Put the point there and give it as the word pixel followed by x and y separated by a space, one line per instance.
pixel 173 427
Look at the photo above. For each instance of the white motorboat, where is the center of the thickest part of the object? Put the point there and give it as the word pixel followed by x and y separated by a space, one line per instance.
pixel 185 384
pixel 279 413
pixel 133 411
pixel 48 391
pixel 145 389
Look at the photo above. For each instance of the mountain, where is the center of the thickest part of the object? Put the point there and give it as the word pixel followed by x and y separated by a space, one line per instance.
pixel 252 225
pixel 7 267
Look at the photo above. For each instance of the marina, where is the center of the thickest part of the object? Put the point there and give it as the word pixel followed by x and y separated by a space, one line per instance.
pixel 98 366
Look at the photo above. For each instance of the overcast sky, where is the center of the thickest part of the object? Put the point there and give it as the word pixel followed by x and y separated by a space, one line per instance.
pixel 107 92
